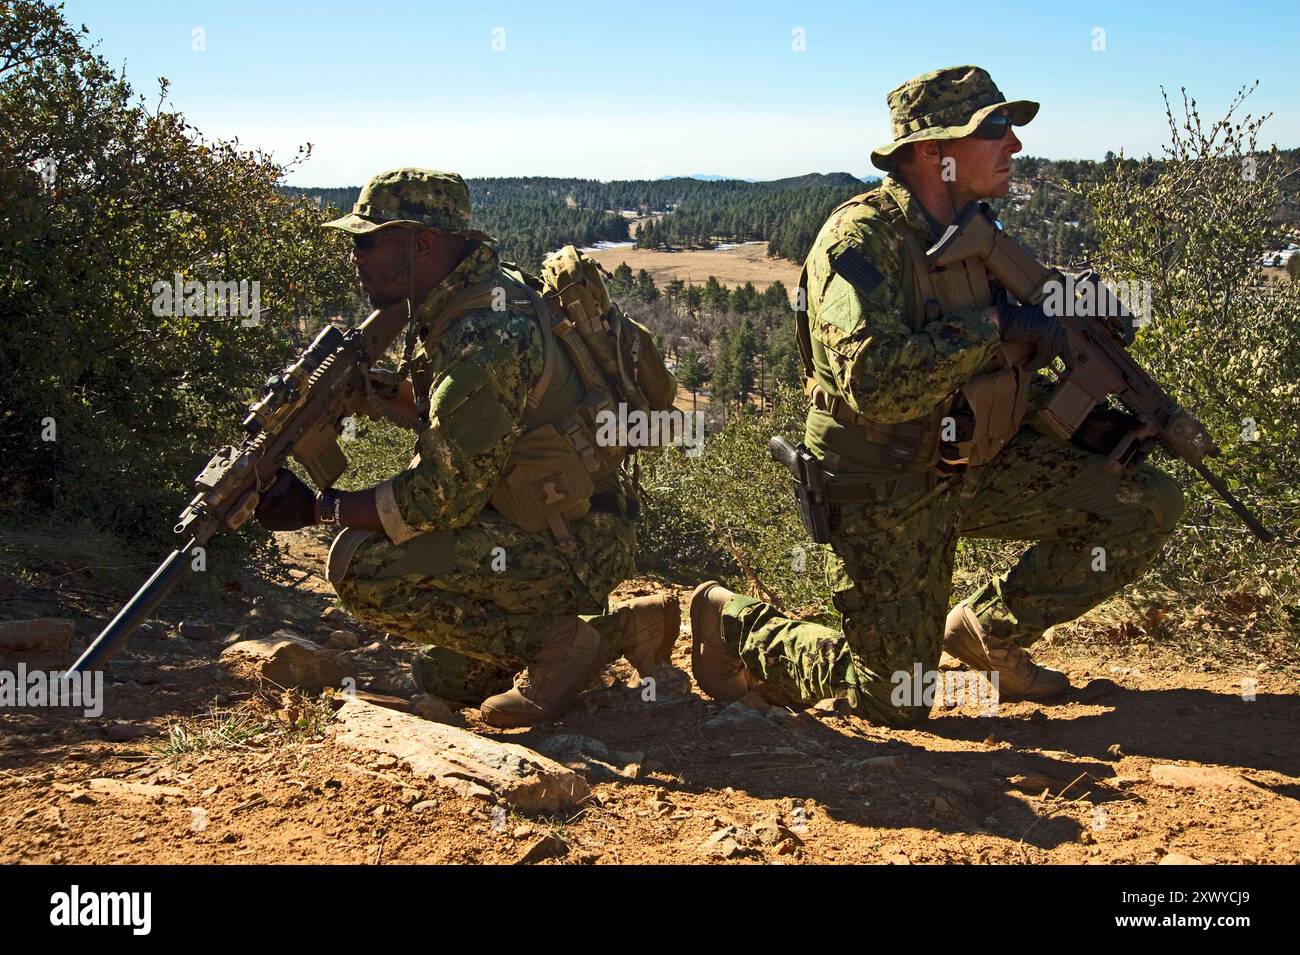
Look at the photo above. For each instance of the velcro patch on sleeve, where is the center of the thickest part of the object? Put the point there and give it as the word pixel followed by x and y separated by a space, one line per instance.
pixel 856 269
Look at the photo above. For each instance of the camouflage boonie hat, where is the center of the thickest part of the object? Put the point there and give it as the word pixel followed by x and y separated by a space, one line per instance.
pixel 419 198
pixel 945 104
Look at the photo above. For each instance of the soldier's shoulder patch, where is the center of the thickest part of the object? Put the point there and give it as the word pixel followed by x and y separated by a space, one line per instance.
pixel 849 262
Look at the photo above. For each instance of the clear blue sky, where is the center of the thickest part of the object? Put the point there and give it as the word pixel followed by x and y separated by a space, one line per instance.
pixel 634 90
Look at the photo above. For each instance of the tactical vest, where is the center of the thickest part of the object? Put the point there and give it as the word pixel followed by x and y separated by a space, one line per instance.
pixel 982 415
pixel 603 357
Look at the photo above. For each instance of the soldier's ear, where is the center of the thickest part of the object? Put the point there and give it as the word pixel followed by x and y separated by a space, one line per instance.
pixel 425 243
pixel 925 152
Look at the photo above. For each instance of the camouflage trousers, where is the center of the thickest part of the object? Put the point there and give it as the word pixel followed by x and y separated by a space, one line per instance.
pixel 482 598
pixel 1095 532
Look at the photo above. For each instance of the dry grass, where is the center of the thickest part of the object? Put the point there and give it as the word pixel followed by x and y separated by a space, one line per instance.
pixel 732 267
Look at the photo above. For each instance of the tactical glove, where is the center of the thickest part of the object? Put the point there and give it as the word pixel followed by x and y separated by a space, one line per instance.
pixel 1031 325
pixel 288 505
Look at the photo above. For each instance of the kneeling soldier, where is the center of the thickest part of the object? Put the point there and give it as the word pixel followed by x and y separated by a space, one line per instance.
pixel 448 552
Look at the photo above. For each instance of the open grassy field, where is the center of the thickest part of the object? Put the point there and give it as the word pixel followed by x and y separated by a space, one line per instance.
pixel 731 267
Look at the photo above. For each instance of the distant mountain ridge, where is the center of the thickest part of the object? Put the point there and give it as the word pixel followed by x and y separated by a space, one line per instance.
pixel 532 215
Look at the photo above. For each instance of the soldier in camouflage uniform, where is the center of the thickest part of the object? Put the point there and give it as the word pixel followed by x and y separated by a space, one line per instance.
pixel 423 554
pixel 885 356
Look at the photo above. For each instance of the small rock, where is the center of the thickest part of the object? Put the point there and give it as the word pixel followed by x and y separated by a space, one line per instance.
pixel 837 706
pixel 522 831
pixel 883 762
pixel 41 643
pixel 343 640
pixel 429 707
pixel 1032 783
pixel 335 616
pixel 591 757
pixel 729 842
pixel 786 846
pixel 1177 858
pixel 198 630
pixel 424 806
pixel 1114 751
pixel 770 832
pixel 1095 690
pixel 121 732
pixel 545 847
pixel 738 716
pixel 287 660
pixel 754 700
pixel 954 785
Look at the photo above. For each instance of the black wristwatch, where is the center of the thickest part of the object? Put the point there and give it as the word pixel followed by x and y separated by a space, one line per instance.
pixel 330 500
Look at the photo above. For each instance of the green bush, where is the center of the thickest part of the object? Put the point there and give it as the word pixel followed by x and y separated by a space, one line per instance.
pixel 1224 340
pixel 101 197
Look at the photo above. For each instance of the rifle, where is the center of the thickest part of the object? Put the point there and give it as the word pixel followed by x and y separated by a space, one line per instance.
pixel 1097 364
pixel 301 415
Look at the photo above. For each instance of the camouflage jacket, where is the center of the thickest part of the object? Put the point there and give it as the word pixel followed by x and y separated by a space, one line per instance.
pixel 479 372
pixel 864 348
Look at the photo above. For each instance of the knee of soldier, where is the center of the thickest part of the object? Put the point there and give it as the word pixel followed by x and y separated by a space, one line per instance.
pixel 1166 501
pixel 341 569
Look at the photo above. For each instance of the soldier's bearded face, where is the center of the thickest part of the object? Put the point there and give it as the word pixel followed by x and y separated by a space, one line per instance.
pixel 384 268
pixel 982 167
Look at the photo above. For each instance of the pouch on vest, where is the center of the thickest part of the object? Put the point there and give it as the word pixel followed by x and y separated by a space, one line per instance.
pixel 998 401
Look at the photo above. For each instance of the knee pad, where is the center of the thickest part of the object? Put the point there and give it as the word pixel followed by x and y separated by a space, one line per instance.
pixel 342 551
pixel 1169 502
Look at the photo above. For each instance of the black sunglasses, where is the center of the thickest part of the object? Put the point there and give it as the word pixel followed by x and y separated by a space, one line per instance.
pixel 994 126
pixel 366 241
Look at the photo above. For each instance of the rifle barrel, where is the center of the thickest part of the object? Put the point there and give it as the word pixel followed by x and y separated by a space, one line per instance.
pixel 129 618
pixel 1212 479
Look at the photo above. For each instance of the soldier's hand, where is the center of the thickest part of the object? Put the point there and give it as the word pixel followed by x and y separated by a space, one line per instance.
pixel 288 505
pixel 396 390
pixel 1031 325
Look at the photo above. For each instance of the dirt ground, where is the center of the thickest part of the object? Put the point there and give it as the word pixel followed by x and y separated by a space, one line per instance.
pixel 219 777
pixel 735 266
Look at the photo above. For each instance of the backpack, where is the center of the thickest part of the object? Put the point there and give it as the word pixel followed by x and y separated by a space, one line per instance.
pixel 549 477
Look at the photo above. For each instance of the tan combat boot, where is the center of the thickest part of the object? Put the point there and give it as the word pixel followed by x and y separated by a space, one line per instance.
pixel 1019 678
pixel 719 672
pixel 650 627
pixel 567 662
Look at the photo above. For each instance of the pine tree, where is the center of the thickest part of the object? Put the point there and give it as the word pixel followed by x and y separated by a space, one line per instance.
pixel 646 289
pixel 622 281
pixel 692 373
pixel 716 296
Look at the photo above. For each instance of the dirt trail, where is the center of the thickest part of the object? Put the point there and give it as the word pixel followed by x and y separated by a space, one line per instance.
pixel 797 787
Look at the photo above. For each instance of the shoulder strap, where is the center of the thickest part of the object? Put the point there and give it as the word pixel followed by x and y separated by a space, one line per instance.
pixel 481 296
